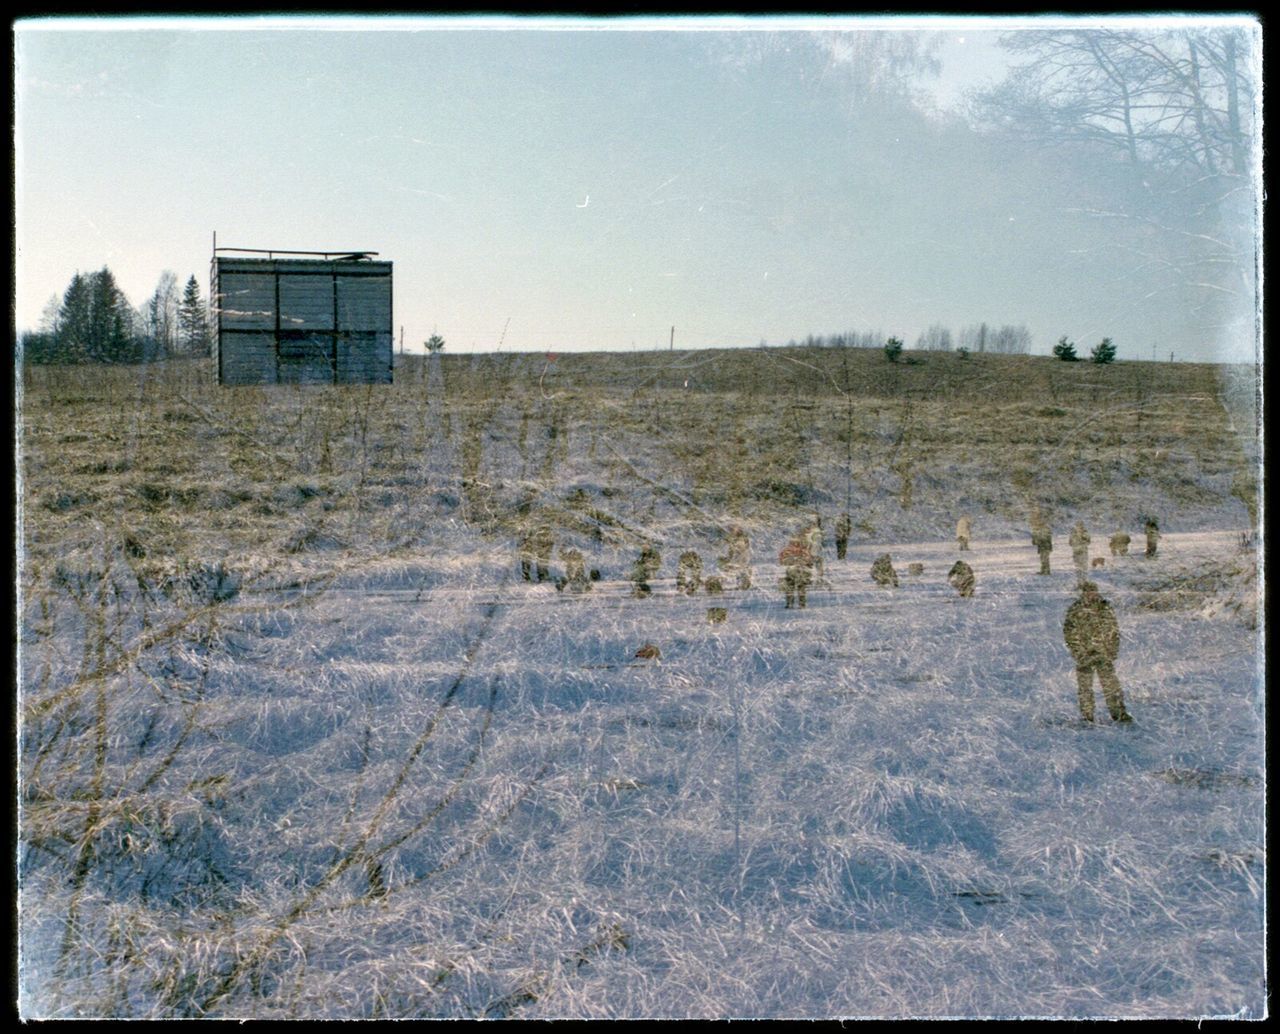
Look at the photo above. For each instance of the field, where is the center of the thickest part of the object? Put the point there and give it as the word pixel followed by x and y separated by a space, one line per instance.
pixel 297 740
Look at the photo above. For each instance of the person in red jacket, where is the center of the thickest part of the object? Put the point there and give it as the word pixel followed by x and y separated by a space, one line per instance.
pixel 797 562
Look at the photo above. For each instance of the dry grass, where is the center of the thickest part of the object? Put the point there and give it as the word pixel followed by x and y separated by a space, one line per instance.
pixel 231 758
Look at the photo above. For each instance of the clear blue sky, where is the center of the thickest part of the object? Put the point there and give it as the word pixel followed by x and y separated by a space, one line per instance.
pixel 585 185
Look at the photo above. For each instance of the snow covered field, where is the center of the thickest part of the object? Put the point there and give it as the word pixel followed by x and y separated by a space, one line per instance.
pixel 402 782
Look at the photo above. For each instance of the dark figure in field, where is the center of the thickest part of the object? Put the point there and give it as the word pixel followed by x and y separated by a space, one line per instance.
pixel 736 562
pixel 1079 542
pixel 535 553
pixel 964 528
pixel 644 569
pixel 1153 535
pixel 575 571
pixel 882 572
pixel 1042 539
pixel 689 573
pixel 797 563
pixel 1120 544
pixel 1093 637
pixel 961 578
pixel 843 527
pixel 715 587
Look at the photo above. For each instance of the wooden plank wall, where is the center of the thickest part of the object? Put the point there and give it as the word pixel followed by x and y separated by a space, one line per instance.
pixel 315 299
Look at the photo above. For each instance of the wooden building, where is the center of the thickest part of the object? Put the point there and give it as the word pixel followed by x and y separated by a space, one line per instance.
pixel 288 319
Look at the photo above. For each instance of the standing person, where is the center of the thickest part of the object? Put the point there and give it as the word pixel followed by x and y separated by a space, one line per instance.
pixel 543 545
pixel 1093 637
pixel 797 563
pixel 575 571
pixel 1120 544
pixel 963 529
pixel 843 527
pixel 737 557
pixel 960 578
pixel 1042 539
pixel 882 572
pixel 689 572
pixel 644 569
pixel 813 538
pixel 1153 535
pixel 1079 542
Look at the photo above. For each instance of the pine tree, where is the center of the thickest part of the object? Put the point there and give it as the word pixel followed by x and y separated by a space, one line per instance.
pixel 1065 350
pixel 1103 352
pixel 110 336
pixel 193 320
pixel 73 321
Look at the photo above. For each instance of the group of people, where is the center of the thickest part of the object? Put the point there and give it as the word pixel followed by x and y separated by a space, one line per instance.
pixel 1042 539
pixel 1090 628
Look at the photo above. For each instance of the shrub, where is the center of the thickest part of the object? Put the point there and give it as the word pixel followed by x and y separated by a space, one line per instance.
pixel 892 349
pixel 1065 350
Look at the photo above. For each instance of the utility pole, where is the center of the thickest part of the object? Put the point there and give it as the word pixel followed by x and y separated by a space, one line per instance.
pixel 402 339
pixel 672 347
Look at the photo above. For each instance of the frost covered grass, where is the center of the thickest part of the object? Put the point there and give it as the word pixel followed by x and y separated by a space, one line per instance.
pixel 298 741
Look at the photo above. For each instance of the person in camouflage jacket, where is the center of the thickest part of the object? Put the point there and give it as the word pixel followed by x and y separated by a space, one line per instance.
pixel 736 561
pixel 689 572
pixel 1153 535
pixel 1079 542
pixel 882 572
pixel 960 578
pixel 1042 539
pixel 1092 635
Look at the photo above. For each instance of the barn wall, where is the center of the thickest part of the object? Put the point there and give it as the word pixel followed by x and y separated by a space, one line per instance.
pixel 310 321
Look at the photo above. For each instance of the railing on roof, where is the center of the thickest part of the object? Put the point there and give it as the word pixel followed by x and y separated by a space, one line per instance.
pixel 273 252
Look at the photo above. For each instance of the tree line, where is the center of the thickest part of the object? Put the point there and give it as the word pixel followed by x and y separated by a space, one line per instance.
pixel 94 322
pixel 1008 339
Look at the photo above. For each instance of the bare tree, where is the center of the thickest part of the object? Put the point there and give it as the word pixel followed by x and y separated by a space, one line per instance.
pixel 160 314
pixel 936 338
pixel 1011 340
pixel 976 337
pixel 1158 128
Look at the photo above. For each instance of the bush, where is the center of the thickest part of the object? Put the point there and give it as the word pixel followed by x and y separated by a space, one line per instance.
pixel 1104 352
pixel 1065 350
pixel 892 349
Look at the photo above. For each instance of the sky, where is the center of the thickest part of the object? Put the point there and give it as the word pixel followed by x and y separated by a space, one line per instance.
pixel 571 185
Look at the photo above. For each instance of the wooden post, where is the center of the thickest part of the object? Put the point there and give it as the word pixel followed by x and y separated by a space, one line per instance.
pixel 672 347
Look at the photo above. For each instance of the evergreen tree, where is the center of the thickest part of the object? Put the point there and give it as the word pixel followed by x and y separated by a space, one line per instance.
pixel 193 320
pixel 73 321
pixel 110 336
pixel 1065 350
pixel 1103 352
